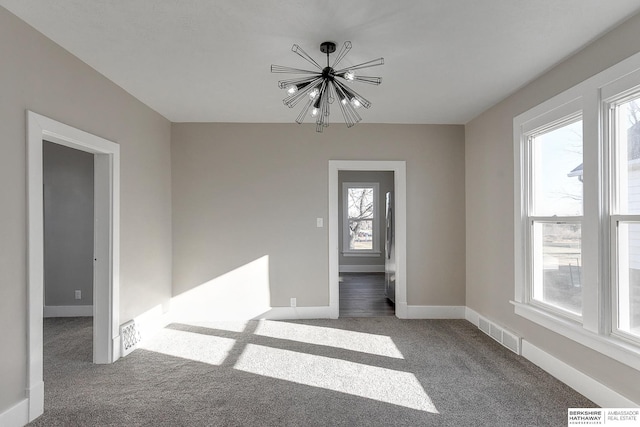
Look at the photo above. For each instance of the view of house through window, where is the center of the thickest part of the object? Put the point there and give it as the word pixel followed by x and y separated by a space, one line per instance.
pixel 626 218
pixel 556 215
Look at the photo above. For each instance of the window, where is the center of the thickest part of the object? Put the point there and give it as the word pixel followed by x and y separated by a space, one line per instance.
pixel 554 196
pixel 577 213
pixel 624 125
pixel 360 218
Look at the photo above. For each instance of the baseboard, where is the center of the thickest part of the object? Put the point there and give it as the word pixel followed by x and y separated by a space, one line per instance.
pixel 435 312
pixel 401 310
pixel 16 416
pixel 471 316
pixel 361 269
pixel 68 311
pixel 35 397
pixel 582 383
pixel 291 313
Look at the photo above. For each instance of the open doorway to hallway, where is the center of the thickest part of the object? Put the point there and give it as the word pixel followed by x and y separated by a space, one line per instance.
pixel 365 225
pixel 68 214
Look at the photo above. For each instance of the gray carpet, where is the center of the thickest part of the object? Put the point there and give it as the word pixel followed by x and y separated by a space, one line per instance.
pixel 347 372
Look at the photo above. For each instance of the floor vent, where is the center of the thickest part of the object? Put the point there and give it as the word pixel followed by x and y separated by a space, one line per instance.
pixel 130 337
pixel 507 339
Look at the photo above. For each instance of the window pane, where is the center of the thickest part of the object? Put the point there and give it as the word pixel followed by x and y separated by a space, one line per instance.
pixel 557 171
pixel 361 235
pixel 360 213
pixel 629 277
pixel 557 265
pixel 628 156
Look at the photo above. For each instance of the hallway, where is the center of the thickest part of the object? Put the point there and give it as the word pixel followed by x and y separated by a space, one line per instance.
pixel 362 295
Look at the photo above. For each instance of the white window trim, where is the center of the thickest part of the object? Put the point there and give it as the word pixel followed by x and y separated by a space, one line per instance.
pixel 345 220
pixel 612 95
pixel 596 329
pixel 567 111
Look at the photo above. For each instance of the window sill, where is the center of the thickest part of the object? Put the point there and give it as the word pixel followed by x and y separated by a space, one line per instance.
pixel 622 351
pixel 362 254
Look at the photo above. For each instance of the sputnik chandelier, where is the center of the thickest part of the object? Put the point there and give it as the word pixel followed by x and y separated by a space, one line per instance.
pixel 326 84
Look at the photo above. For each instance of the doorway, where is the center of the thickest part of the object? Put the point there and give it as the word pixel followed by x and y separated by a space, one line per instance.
pixel 364 258
pixel 399 189
pixel 106 251
pixel 68 231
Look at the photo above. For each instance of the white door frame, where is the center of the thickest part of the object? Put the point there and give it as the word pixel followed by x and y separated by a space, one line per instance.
pixel 400 190
pixel 106 272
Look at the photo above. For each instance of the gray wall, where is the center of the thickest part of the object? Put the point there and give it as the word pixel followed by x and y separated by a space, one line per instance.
pixel 245 191
pixel 39 75
pixel 68 225
pixel 490 207
pixel 385 179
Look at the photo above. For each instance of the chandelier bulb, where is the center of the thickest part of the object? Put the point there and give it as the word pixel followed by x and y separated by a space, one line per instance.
pixel 350 75
pixel 355 103
pixel 315 111
pixel 314 93
pixel 291 89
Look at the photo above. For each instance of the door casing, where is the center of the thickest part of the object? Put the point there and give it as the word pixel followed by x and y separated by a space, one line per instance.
pixel 106 340
pixel 400 194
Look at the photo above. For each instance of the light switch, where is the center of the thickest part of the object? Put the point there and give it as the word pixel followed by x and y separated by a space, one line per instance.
pixel 319 222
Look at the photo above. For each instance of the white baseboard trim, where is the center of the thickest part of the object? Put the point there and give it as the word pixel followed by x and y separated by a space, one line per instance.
pixel 361 269
pixel 435 312
pixel 35 397
pixel 582 383
pixel 291 313
pixel 16 416
pixel 471 316
pixel 116 347
pixel 401 310
pixel 68 311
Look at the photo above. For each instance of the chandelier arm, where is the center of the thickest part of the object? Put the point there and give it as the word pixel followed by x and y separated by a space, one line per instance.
pixel 284 69
pixel 369 80
pixel 300 52
pixel 303 112
pixel 324 101
pixel 372 63
pixel 346 47
pixel 353 94
pixel 351 117
pixel 284 83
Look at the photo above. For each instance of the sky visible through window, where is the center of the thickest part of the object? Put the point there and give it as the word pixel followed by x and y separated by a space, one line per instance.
pixel 556 154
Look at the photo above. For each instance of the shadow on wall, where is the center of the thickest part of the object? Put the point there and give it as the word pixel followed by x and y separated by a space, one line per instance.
pixel 242 293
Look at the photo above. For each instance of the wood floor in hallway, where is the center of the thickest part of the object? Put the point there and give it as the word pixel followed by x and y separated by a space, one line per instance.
pixel 362 295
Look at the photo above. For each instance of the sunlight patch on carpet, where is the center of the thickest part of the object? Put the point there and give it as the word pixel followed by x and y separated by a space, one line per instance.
pixel 193 346
pixel 378 345
pixel 371 382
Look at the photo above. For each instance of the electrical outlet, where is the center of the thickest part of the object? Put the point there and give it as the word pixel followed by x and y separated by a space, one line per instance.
pixel 78 294
pixel 293 302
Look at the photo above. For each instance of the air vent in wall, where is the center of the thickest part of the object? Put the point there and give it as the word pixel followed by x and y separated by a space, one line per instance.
pixel 484 325
pixel 507 339
pixel 130 337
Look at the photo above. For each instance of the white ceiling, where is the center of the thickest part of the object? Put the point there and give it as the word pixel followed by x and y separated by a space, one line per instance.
pixel 446 61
